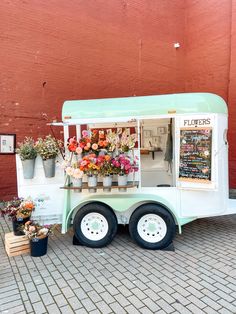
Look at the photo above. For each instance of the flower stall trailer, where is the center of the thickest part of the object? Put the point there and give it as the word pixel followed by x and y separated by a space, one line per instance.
pixel 182 175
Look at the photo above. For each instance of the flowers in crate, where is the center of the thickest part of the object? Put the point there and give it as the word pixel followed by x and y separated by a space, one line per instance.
pixel 35 230
pixel 18 208
pixel 90 164
pixel 49 147
pixel 122 165
pixel 27 149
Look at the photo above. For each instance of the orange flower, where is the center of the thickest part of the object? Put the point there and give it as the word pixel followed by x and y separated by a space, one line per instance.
pixel 107 157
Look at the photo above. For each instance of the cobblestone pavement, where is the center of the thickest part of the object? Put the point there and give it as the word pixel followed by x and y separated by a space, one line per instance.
pixel 199 277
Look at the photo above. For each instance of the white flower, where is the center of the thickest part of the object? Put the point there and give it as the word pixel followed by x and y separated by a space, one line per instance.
pixel 69 171
pixel 43 231
pixel 78 174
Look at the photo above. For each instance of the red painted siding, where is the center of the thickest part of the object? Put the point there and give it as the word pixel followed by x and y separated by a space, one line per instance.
pixel 211 58
pixel 78 49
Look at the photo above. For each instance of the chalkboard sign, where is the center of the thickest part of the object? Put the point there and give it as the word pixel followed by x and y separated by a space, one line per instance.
pixel 195 154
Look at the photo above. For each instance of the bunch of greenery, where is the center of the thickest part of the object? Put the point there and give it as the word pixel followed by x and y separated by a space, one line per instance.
pixel 48 148
pixel 27 149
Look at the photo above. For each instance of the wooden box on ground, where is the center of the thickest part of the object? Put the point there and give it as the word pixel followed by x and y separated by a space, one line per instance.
pixel 16 245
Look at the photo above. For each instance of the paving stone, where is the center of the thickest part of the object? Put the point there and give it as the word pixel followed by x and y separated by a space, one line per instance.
pixel 145 310
pixel 42 288
pixel 60 300
pixel 136 302
pixel 216 306
pixel 181 308
pixel 227 305
pixel 47 299
pixel 68 292
pixel 39 307
pixel 53 308
pixel 103 307
pixel 66 310
pixel 54 290
pixel 117 308
pixel 151 305
pixel 74 303
pixel 88 304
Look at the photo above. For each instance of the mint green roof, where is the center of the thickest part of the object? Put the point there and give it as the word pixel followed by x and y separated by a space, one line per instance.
pixel 143 106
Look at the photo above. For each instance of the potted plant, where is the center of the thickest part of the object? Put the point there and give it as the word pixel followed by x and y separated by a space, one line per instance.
pixel 48 148
pixel 19 212
pixel 27 153
pixel 38 236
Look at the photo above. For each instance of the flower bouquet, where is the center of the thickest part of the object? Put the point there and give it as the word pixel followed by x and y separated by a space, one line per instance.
pixel 38 236
pixel 123 166
pixel 27 152
pixel 18 211
pixel 76 175
pixel 106 170
pixel 90 165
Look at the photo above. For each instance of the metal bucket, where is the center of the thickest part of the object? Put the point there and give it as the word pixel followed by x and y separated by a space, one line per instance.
pixel 49 167
pixel 28 168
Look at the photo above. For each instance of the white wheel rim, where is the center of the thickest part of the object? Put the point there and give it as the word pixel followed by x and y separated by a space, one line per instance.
pixel 94 226
pixel 152 228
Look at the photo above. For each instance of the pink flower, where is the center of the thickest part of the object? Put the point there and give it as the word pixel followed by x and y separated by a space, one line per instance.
pixel 85 133
pixel 95 146
pixel 78 150
pixel 83 163
pixel 32 229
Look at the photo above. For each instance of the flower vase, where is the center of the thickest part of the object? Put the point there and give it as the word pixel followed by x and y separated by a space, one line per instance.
pixel 92 183
pixel 77 183
pixel 17 225
pixel 38 246
pixel 122 182
pixel 49 167
pixel 28 168
pixel 107 183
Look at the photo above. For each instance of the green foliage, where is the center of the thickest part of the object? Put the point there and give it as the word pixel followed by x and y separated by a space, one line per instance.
pixel 48 147
pixel 27 149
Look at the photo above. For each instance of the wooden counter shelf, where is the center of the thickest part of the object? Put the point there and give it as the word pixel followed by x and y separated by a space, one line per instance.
pixel 85 186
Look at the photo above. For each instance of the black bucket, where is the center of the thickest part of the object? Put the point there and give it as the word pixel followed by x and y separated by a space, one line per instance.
pixel 38 247
pixel 18 225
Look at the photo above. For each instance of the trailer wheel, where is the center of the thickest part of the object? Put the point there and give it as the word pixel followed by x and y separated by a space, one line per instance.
pixel 152 227
pixel 95 225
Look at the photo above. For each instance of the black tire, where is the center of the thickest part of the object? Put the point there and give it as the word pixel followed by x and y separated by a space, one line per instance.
pixel 158 211
pixel 85 233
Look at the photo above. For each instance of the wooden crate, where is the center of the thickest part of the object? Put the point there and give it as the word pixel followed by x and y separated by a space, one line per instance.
pixel 16 245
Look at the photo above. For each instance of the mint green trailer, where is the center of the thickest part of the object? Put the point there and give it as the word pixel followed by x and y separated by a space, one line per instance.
pixel 152 212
